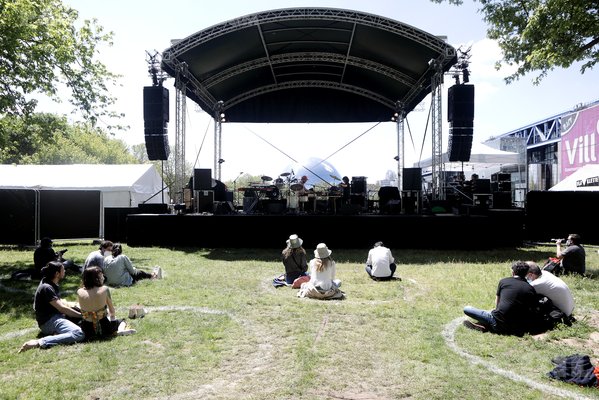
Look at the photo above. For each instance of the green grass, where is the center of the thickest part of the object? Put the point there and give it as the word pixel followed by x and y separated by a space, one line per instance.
pixel 244 339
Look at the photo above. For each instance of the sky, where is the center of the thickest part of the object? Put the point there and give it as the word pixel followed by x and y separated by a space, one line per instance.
pixel 142 26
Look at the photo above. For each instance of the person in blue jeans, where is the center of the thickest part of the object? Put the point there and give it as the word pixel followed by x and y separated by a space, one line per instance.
pixel 514 305
pixel 51 312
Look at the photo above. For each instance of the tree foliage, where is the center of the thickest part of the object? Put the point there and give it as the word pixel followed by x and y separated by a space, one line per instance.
pixel 539 35
pixel 50 139
pixel 42 51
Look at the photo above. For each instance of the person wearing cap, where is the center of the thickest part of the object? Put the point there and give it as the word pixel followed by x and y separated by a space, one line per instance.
pixel 51 312
pixel 380 264
pixel 322 269
pixel 294 259
pixel 44 253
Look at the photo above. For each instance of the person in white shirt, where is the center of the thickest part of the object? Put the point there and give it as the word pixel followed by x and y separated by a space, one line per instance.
pixel 549 285
pixel 380 264
pixel 322 269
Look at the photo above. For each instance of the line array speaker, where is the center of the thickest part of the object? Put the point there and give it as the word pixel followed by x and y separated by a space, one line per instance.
pixel 156 104
pixel 459 147
pixel 460 103
pixel 157 147
pixel 411 179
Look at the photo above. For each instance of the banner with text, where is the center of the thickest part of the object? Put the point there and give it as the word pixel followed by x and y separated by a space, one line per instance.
pixel 580 133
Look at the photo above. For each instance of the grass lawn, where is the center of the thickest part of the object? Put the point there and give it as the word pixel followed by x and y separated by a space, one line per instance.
pixel 218 329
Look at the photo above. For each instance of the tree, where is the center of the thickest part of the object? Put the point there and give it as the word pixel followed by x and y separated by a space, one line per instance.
pixel 539 35
pixel 43 52
pixel 49 139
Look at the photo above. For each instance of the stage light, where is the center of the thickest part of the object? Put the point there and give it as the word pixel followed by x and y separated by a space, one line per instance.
pixel 220 161
pixel 396 158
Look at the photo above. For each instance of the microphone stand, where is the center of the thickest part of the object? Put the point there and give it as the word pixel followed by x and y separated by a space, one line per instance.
pixel 235 191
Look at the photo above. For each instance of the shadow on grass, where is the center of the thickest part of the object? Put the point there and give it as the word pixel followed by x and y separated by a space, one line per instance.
pixel 16 296
pixel 403 256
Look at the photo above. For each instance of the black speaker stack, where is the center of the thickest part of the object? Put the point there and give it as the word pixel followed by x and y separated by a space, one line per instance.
pixel 412 179
pixel 156 117
pixel 460 115
pixel 501 185
pixel 202 179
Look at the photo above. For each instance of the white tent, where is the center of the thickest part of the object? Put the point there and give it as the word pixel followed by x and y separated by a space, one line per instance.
pixel 480 154
pixel 586 178
pixel 122 185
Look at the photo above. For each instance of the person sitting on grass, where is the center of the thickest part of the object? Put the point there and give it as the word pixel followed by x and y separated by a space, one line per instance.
pixel 96 258
pixel 554 288
pixel 97 309
pixel 380 264
pixel 322 284
pixel 514 306
pixel 294 259
pixel 119 270
pixel 51 312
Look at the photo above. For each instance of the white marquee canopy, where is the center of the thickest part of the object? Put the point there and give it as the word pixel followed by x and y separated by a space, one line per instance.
pixel 122 185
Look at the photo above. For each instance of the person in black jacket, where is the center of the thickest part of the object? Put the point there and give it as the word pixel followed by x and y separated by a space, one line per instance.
pixel 514 305
pixel 44 253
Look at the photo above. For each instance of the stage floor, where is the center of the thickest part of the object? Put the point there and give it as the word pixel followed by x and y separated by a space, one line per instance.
pixel 496 228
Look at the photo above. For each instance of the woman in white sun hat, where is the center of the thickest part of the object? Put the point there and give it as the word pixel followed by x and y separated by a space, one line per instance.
pixel 322 269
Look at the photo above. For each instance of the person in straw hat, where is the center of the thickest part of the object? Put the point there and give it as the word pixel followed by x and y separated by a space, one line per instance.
pixel 322 269
pixel 294 259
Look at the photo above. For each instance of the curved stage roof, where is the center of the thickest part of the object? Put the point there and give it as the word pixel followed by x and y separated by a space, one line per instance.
pixel 308 65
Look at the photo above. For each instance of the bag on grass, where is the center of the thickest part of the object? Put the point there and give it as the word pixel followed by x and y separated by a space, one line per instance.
pixel 553 265
pixel 297 283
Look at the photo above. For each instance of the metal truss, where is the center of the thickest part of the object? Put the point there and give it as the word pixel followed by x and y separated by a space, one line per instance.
pixel 317 57
pixel 375 21
pixel 436 130
pixel 180 116
pixel 218 118
pixel 400 125
pixel 540 133
pixel 313 84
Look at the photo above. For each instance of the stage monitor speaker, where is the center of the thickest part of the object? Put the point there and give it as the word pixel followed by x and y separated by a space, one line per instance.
pixel 358 185
pixel 411 179
pixel 202 179
pixel 460 103
pixel 156 104
pixel 482 186
pixel 501 177
pixel 459 147
pixel 157 147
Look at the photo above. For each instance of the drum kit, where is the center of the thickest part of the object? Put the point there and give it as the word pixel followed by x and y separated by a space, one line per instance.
pixel 287 187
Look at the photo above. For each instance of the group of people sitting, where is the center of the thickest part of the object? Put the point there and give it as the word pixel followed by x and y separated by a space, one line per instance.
pixel 529 301
pixel 316 279
pixel 93 315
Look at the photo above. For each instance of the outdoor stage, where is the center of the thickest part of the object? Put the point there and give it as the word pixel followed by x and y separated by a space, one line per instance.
pixel 496 228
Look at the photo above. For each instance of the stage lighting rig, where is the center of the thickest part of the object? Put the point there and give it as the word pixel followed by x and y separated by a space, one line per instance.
pixel 461 67
pixel 156 73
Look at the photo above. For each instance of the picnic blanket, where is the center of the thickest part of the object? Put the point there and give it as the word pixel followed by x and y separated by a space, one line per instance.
pixel 309 290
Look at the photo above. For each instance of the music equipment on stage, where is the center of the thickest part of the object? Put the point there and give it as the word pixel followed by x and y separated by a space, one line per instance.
pixel 411 179
pixel 285 174
pixel 266 178
pixel 358 185
pixel 481 186
pixel 389 200
pixel 202 179
pixel 411 201
pixel 297 187
pixel 460 114
pixel 501 177
pixel 204 201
